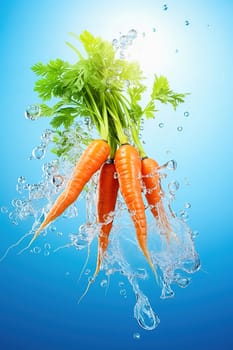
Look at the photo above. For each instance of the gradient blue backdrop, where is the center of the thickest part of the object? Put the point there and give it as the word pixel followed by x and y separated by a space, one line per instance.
pixel 38 299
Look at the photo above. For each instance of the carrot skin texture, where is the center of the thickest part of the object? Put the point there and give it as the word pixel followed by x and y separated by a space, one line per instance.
pixel 90 161
pixel 151 180
pixel 106 201
pixel 128 167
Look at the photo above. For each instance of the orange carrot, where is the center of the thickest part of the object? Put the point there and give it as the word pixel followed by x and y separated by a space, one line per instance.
pixel 90 161
pixel 151 180
pixel 128 167
pixel 107 195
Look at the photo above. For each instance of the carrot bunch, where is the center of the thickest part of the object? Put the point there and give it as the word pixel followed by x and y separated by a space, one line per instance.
pixel 95 86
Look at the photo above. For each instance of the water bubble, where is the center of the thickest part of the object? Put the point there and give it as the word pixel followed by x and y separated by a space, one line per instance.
pixel 32 112
pixel 187 23
pixel 144 314
pixel 154 30
pixel 165 7
pixel 187 205
pixel 161 125
pixel 115 43
pixel 121 284
pixel 71 212
pixel 87 272
pixel 67 274
pixel 46 253
pixel 103 283
pixel 136 335
pixel 179 128
pixel 186 114
pixel 167 292
pixel 132 34
pixel 38 152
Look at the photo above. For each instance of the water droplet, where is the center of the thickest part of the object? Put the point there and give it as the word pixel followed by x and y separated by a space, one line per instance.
pixel 173 186
pixel 136 336
pixel 46 253
pixel 186 114
pixel 103 283
pixel 179 128
pixel 121 284
pixel 32 112
pixel 123 41
pixel 123 292
pixel 187 23
pixel 146 317
pixel 154 30
pixel 67 274
pixel 132 34
pixel 36 250
pixel 171 164
pixel 58 180
pixel 187 205
pixel 115 175
pixel 192 265
pixel 21 180
pixel 38 152
pixel 182 281
pixel 47 246
pixel 165 7
pixel 115 43
pixel 161 125
pixel 167 292
pixel 194 234
pixel 87 272
pixel 4 210
pixel 184 215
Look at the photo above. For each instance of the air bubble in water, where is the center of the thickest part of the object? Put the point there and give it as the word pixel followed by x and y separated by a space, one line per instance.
pixel 179 128
pixel 38 152
pixel 165 7
pixel 187 23
pixel 32 112
pixel 123 292
pixel 154 30
pixel 186 114
pixel 136 335
pixel 115 43
pixel 161 125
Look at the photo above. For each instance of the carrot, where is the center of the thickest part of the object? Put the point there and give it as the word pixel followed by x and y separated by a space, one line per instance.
pixel 90 161
pixel 107 195
pixel 151 180
pixel 128 167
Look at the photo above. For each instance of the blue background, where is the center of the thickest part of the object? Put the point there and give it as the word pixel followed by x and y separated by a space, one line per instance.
pixel 38 298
